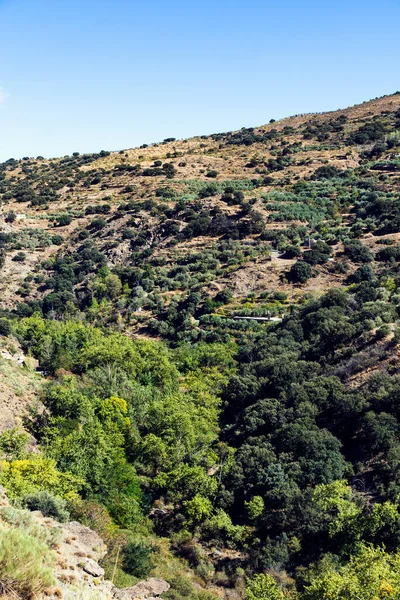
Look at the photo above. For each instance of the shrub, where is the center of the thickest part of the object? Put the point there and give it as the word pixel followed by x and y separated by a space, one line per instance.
pixel 5 327
pixel 357 252
pixel 83 235
pixel 292 251
pixel 300 272
pixel 326 172
pixel 388 254
pixel 363 273
pixel 319 253
pixel 63 220
pixel 382 332
pixel 98 223
pixel 57 240
pixel 224 296
pixel 31 475
pixel 136 559
pixel 212 174
pixel 169 170
pixel 19 257
pixel 94 515
pixel 263 587
pixel 10 217
pixel 13 443
pixel 128 234
pixel 48 504
pixel 25 564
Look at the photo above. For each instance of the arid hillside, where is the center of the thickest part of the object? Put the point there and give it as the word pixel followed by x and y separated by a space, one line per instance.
pixel 176 238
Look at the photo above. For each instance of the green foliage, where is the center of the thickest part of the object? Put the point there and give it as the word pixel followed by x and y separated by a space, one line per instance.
pixel 5 327
pixel 243 432
pixel 31 475
pixel 319 254
pixel 198 508
pixel 19 257
pixel 369 575
pixel 263 587
pixel 136 559
pixel 64 220
pixel 357 252
pixel 255 507
pixel 48 505
pixel 13 444
pixel 183 589
pixel 335 500
pixel 300 272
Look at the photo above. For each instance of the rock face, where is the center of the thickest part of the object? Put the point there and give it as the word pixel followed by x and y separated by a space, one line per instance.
pixel 77 568
pixel 144 590
pixel 91 567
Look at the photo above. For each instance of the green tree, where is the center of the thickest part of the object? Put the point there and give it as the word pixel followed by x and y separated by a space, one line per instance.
pixel 371 574
pixel 198 508
pixel 300 272
pixel 263 587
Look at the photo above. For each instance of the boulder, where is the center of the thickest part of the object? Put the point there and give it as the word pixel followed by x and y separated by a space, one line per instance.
pixel 91 567
pixel 149 589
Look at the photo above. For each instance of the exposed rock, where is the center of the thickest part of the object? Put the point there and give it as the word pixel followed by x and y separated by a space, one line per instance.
pixel 76 567
pixel 91 567
pixel 88 538
pixel 144 590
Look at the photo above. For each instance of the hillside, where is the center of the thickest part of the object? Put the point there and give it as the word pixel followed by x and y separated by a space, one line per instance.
pixel 126 237
pixel 200 356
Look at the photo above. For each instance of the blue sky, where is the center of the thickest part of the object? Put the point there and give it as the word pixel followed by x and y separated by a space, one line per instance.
pixel 86 75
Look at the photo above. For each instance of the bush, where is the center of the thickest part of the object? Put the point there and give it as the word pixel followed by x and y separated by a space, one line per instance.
pixel 98 223
pixel 388 254
pixel 57 240
pixel 212 174
pixel 382 332
pixel 10 217
pixel 23 477
pixel 128 234
pixel 292 251
pixel 357 252
pixel 319 254
pixel 5 327
pixel 13 444
pixel 64 220
pixel 300 272
pixel 263 587
pixel 326 172
pixel 224 296
pixel 83 235
pixel 363 273
pixel 25 564
pixel 19 257
pixel 136 559
pixel 48 504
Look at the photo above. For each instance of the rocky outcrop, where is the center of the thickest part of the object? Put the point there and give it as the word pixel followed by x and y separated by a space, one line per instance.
pixel 144 590
pixel 78 551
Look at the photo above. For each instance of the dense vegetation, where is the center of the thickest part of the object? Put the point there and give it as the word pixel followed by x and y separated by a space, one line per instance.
pixel 266 453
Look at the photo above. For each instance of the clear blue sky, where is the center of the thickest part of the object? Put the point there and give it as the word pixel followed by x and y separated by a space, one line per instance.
pixel 86 75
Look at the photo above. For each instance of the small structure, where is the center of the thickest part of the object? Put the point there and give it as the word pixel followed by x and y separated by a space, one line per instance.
pixel 275 319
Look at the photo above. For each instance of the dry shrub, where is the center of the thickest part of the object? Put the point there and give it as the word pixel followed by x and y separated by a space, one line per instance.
pixel 25 564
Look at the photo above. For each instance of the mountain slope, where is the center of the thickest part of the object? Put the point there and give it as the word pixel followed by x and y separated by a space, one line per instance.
pixel 216 322
pixel 223 212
